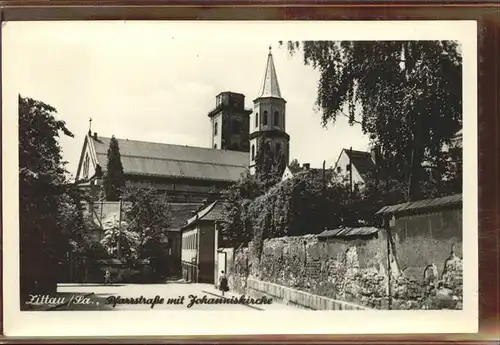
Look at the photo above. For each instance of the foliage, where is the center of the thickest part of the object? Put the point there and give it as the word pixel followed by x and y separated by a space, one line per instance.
pixel 407 97
pixel 141 234
pixel 149 216
pixel 307 203
pixel 294 164
pixel 48 211
pixel 269 165
pixel 236 228
pixel 119 241
pixel 114 179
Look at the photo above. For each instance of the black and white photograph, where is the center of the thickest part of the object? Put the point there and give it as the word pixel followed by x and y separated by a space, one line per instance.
pixel 172 171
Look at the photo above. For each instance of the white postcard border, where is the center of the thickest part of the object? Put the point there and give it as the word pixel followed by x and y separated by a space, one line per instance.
pixel 161 323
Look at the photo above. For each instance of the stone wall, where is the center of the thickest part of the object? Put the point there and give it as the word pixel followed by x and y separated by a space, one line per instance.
pixel 353 270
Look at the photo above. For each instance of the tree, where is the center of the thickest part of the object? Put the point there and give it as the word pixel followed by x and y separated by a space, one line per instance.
pixel 120 241
pixel 149 216
pixel 294 164
pixel 45 210
pixel 407 96
pixel 269 165
pixel 236 227
pixel 114 179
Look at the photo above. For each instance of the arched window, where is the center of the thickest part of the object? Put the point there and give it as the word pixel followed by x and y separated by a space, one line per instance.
pixel 215 146
pixel 264 120
pixel 215 128
pixel 276 118
pixel 257 120
pixel 253 152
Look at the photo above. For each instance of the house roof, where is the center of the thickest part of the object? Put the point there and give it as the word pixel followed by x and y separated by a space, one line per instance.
pixel 362 161
pixel 422 204
pixel 270 86
pixel 167 160
pixel 347 232
pixel 212 212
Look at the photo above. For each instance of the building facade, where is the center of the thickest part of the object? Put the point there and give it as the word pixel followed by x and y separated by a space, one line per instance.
pixel 230 122
pixel 199 245
pixel 355 167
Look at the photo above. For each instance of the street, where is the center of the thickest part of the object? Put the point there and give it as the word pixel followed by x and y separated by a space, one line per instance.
pixel 178 293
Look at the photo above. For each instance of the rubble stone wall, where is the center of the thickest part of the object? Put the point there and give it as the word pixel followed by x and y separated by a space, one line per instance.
pixel 355 270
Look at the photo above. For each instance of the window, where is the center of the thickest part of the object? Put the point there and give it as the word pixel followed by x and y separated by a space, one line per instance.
pixel 264 120
pixel 257 120
pixel 253 152
pixel 339 170
pixel 215 128
pixel 276 118
pixel 348 167
pixel 215 146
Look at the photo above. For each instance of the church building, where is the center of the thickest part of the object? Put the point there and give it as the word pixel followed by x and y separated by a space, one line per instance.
pixel 195 174
pixel 193 177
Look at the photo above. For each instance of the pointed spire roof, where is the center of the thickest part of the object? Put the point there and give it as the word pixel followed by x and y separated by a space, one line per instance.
pixel 270 86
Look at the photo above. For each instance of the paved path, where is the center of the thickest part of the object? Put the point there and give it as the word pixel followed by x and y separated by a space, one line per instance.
pixel 176 292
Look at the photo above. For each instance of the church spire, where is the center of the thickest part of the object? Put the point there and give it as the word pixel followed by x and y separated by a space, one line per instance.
pixel 270 86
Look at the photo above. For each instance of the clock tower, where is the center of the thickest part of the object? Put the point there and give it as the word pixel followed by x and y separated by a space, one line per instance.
pixel 267 123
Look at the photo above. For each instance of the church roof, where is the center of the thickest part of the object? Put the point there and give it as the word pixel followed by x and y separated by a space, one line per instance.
pixel 167 160
pixel 270 86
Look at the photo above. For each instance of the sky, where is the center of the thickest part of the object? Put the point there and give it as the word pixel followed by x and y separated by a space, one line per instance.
pixel 144 81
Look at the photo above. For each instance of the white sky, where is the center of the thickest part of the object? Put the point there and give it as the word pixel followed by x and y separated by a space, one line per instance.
pixel 143 81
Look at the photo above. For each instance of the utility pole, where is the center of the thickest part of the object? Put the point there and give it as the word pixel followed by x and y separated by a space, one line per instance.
pixel 350 168
pixel 324 175
pixel 119 227
pixel 389 268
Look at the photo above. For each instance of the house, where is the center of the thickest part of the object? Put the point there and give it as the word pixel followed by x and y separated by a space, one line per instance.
pixel 356 167
pixel 199 245
pixel 291 171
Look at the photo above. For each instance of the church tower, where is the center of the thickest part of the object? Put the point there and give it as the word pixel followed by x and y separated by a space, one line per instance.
pixel 230 122
pixel 267 124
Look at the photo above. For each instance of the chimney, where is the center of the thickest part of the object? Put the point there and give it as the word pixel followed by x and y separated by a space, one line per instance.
pixel 95 135
pixel 306 166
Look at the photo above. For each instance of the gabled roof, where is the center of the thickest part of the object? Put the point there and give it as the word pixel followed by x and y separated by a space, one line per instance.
pixel 141 158
pixel 212 212
pixel 270 86
pixel 451 200
pixel 362 161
